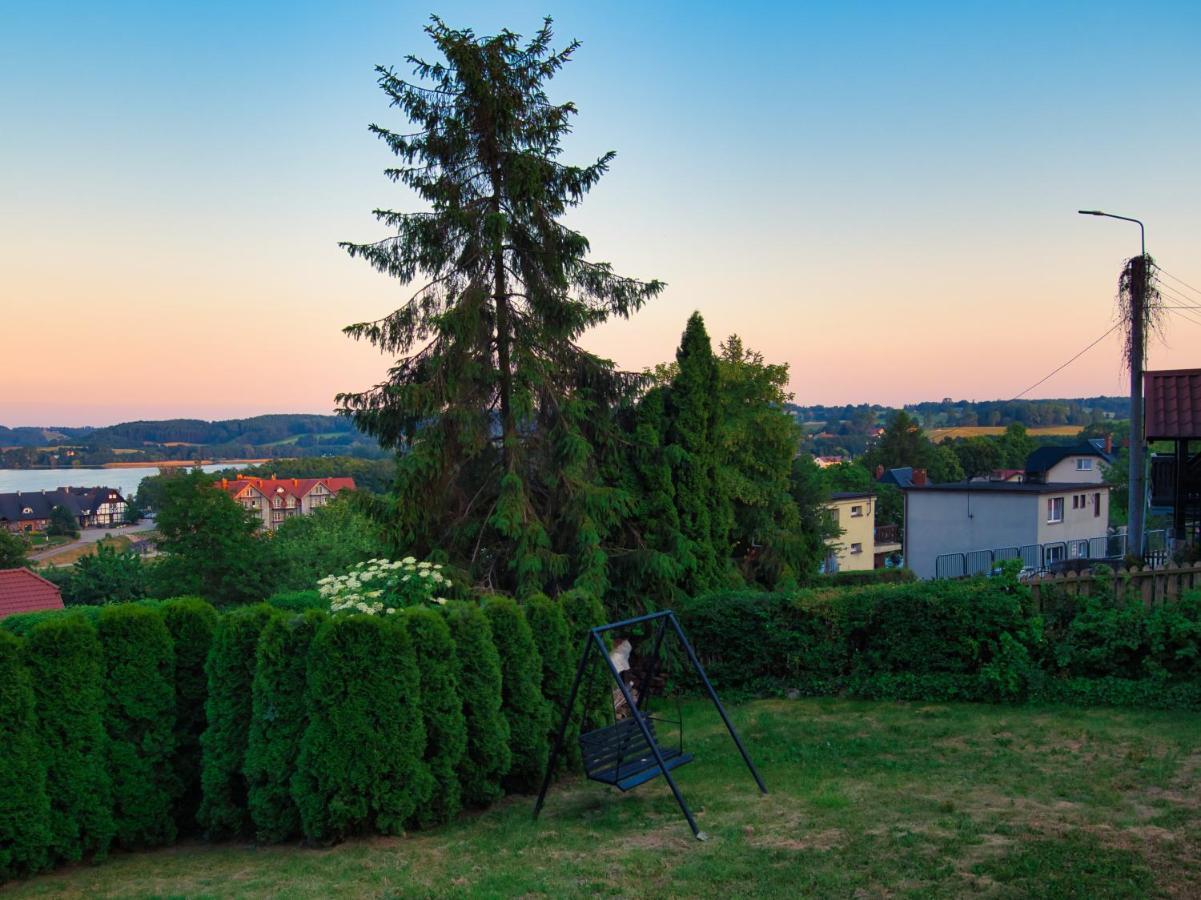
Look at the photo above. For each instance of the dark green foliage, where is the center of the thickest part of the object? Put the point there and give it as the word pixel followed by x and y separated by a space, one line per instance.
pixel 488 758
pixel 330 539
pixel 278 723
pixel 1174 638
pixel 24 807
pixel 582 611
pixel 1104 639
pixel 191 622
pixel 21 624
pixel 62 522
pixel 360 766
pixel 858 578
pixel 139 718
pixel 525 709
pixel 106 576
pixel 13 548
pixel 230 670
pixel 553 639
pixel 297 601
pixel 64 661
pixel 441 710
pixel 489 339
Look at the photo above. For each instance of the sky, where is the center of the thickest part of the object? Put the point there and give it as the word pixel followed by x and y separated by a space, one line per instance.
pixel 881 195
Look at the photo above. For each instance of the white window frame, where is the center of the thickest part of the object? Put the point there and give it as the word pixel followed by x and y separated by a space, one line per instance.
pixel 856 549
pixel 1084 464
pixel 1053 504
pixel 857 512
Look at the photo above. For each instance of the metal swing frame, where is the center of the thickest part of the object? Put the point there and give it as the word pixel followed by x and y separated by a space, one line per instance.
pixel 601 740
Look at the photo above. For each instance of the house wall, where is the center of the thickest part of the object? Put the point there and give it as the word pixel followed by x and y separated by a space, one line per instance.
pixel 1065 471
pixel 859 530
pixel 1080 523
pixel 938 522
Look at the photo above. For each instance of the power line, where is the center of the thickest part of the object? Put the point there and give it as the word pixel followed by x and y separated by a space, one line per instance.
pixel 1174 312
pixel 1173 294
pixel 1160 268
pixel 1069 362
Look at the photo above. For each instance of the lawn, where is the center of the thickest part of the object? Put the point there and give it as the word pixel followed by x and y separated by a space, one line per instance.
pixel 867 799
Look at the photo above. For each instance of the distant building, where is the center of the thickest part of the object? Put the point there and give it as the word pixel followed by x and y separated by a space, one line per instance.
pixel 274 500
pixel 824 462
pixel 1078 463
pixel 23 591
pixel 862 545
pixel 94 507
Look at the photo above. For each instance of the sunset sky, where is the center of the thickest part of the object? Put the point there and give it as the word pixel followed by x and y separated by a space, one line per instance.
pixel 881 195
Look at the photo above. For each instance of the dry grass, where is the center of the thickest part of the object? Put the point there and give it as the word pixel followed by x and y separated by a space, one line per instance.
pixel 937 435
pixel 78 551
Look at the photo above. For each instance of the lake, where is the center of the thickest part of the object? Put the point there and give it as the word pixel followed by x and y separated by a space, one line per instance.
pixel 124 480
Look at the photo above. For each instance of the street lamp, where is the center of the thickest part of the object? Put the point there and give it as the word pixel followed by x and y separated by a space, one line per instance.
pixel 1137 497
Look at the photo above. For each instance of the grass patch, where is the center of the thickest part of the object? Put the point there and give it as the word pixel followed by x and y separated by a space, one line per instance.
pixel 67 557
pixel 867 799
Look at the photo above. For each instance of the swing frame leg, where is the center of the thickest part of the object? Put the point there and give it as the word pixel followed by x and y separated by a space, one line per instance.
pixel 562 736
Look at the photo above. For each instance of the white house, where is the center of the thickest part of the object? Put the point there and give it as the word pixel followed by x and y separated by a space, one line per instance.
pixel 1080 463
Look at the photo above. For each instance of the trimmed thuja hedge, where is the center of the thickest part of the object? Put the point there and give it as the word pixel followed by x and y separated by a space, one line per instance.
pixel 24 805
pixel 525 709
pixel 950 640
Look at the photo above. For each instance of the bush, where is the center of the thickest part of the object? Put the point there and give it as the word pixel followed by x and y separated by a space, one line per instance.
pixel 191 622
pixel 230 670
pixel 551 635
pixel 487 759
pixel 441 710
pixel 582 611
pixel 21 624
pixel 860 577
pixel 278 723
pixel 24 806
pixel 521 682
pixel 1174 639
pixel 65 666
pixel 360 766
pixel 139 718
pixel 298 601
pixel 1104 640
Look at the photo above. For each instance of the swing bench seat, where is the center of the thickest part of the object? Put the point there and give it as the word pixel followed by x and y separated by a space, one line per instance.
pixel 619 755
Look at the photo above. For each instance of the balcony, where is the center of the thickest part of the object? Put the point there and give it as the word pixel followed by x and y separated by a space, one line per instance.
pixel 887 536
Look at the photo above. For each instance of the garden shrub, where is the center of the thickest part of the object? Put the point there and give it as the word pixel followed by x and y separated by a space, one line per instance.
pixel 441 711
pixel 1174 638
pixel 298 601
pixel 278 721
pixel 583 610
pixel 192 622
pixel 361 766
pixel 860 577
pixel 21 624
pixel 24 806
pixel 63 658
pixel 1104 640
pixel 551 635
pixel 524 707
pixel 230 670
pixel 487 758
pixel 139 720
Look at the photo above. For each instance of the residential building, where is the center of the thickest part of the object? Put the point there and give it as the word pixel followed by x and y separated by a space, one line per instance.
pixel 855 514
pixel 93 507
pixel 1046 523
pixel 1079 463
pixel 24 591
pixel 274 500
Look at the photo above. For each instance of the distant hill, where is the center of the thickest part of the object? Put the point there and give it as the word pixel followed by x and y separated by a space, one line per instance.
pixel 283 434
pixel 948 413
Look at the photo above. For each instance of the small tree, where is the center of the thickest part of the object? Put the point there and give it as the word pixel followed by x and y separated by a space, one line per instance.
pixel 62 522
pixel 524 706
pixel 13 548
pixel 107 576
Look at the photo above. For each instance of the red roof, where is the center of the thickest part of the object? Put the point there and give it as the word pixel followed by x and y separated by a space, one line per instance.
pixel 1172 404
pixel 297 487
pixel 22 591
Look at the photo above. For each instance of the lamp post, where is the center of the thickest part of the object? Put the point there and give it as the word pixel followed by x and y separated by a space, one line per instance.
pixel 1137 497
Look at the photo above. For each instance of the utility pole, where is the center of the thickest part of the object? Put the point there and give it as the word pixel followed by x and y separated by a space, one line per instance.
pixel 1137 498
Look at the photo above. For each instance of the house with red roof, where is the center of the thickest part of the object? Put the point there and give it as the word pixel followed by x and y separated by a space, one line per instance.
pixel 274 500
pixel 23 591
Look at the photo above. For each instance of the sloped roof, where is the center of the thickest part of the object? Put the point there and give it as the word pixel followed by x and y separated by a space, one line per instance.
pixel 901 477
pixel 40 503
pixel 23 591
pixel 296 487
pixel 1172 404
pixel 1044 458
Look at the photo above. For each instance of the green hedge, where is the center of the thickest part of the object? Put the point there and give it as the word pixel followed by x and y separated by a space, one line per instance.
pixel 361 766
pixel 582 611
pixel 24 806
pixel 139 718
pixel 298 601
pixel 63 658
pixel 230 669
pixel 441 710
pixel 861 577
pixel 191 621
pixel 524 708
pixel 278 721
pixel 488 757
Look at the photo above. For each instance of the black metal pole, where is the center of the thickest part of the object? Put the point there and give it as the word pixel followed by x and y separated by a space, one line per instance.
pixel 1180 498
pixel 550 761
pixel 700 670
pixel 650 738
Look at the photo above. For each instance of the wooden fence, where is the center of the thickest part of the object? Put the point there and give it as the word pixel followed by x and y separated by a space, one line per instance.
pixel 1155 587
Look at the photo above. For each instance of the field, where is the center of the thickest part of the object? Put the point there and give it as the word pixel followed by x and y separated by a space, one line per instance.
pixel 938 435
pixel 867 799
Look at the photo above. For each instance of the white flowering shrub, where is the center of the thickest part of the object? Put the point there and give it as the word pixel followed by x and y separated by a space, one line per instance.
pixel 382 586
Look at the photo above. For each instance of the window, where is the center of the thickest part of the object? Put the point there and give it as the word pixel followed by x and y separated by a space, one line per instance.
pixel 1084 465
pixel 1054 553
pixel 1097 504
pixel 856 512
pixel 1055 509
pixel 1075 501
pixel 856 548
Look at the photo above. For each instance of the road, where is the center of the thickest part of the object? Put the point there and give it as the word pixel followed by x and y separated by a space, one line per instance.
pixel 92 535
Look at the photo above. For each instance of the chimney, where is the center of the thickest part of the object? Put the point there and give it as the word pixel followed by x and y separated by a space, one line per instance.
pixel 879 472
pixel 295 482
pixel 224 483
pixel 1109 443
pixel 919 478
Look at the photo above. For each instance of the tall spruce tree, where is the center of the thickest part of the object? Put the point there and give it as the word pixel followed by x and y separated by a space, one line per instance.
pixel 494 401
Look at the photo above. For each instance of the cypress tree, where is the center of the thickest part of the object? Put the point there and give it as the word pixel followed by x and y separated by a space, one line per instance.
pixel 139 719
pixel 441 710
pixel 549 628
pixel 583 611
pixel 230 669
pixel 191 622
pixel 24 806
pixel 360 765
pixel 488 757
pixel 278 723
pixel 497 405
pixel 66 670
pixel 524 708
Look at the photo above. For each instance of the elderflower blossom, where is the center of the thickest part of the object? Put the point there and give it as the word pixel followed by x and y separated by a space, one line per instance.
pixel 382 586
